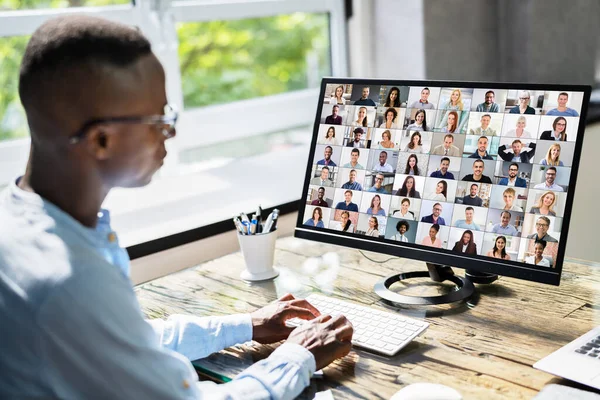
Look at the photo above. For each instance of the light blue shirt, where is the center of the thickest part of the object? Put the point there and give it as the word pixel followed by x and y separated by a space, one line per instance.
pixel 509 230
pixel 72 327
pixel 569 112
pixel 461 223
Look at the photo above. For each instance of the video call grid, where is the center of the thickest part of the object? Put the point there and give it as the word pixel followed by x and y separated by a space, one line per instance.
pixel 535 206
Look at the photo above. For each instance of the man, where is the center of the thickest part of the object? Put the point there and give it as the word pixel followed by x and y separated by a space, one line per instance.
pixel 481 151
pixel 472 199
pixel 334 118
pixel 423 102
pixel 378 187
pixel 488 104
pixel 383 166
pixel 468 222
pixel 503 227
pixel 477 175
pixel 549 183
pixel 402 227
pixel 513 179
pixel 354 154
pixel 347 205
pixel 448 148
pixel 517 154
pixel 71 323
pixel 327 160
pixel 434 217
pixel 365 100
pixel 508 196
pixel 541 227
pixel 484 129
pixel 319 200
pixel 443 171
pixel 352 184
pixel 356 143
pixel 562 110
pixel 322 180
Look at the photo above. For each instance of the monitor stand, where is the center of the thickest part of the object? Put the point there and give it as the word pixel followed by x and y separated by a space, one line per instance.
pixel 437 273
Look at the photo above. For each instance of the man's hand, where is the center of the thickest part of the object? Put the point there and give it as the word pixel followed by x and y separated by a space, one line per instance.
pixel 268 323
pixel 325 337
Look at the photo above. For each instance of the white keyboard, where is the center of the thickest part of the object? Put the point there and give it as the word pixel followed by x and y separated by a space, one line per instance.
pixel 378 331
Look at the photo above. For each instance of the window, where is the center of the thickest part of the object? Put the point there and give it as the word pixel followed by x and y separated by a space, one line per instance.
pixel 245 75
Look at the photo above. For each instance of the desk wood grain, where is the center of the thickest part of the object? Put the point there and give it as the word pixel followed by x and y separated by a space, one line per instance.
pixel 484 348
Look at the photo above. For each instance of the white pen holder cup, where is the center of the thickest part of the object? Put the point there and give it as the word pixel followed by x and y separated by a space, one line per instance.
pixel 258 251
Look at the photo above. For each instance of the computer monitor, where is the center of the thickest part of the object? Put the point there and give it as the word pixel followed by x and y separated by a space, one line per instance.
pixel 473 175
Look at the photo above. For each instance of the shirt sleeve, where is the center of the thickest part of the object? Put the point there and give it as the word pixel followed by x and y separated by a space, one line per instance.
pixel 198 337
pixel 94 343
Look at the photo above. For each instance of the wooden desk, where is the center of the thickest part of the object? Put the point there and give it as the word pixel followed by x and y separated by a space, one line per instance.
pixel 484 349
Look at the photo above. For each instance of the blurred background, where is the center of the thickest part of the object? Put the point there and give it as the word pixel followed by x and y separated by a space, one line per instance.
pixel 246 76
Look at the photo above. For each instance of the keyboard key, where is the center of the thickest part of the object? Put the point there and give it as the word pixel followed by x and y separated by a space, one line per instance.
pixel 580 351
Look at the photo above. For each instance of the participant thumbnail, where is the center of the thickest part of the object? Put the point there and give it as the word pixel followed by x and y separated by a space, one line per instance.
pixel 425 98
pixel 331 135
pixel 503 222
pixel 378 182
pixel 473 194
pixel 563 104
pixel 509 198
pixel 393 96
pixel 444 167
pixel 489 100
pixel 432 235
pixel 416 142
pixel 451 121
pixel 360 116
pixel 386 139
pixel 517 150
pixel 401 230
pixel 320 196
pixel 409 185
pixel 337 93
pixel 477 171
pixel 538 252
pixel 317 217
pixel 365 95
pixel 542 227
pixel 323 175
pixel 447 144
pixel 524 101
pixel 383 160
pixel 515 174
pixel 546 202
pixel 355 158
pixel 550 178
pixel 412 164
pixel 350 178
pixel 500 246
pixel 405 208
pixel 555 154
pixel 558 129
pixel 439 190
pixel 375 204
pixel 371 225
pixel 483 147
pixel 436 212
pixel 469 217
pixel 390 118
pixel 333 114
pixel 357 137
pixel 458 99
pixel 327 155
pixel 521 126
pixel 465 241
pixel 343 221
pixel 418 119
pixel 346 199
pixel 485 123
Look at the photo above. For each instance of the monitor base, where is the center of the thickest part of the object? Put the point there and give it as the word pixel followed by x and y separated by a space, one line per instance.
pixel 480 277
pixel 464 287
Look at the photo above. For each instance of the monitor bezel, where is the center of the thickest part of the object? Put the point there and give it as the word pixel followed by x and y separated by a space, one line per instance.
pixel 418 252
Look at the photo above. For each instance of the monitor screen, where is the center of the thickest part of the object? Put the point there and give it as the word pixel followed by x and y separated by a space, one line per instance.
pixel 472 175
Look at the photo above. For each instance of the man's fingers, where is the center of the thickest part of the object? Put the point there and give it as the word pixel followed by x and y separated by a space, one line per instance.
pixel 305 304
pixel 344 333
pixel 286 297
pixel 339 321
pixel 298 312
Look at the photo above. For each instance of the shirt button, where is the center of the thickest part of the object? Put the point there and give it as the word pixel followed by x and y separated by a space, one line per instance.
pixel 112 237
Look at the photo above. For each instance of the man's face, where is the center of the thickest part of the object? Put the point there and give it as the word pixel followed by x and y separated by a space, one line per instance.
pixel 505 219
pixel 562 100
pixel 448 142
pixel 485 122
pixel 334 111
pixel 137 150
pixel 354 157
pixel 512 171
pixel 324 174
pixel 424 95
pixel 365 93
pixel 321 194
pixel 352 176
pixel 328 152
pixel 516 147
pixel 378 181
pixel 478 168
pixel 402 229
pixel 437 210
pixel 348 197
pixel 482 145
pixel 357 136
pixel 473 190
pixel 550 177
pixel 489 98
pixel 469 215
pixel 382 158
pixel 444 166
pixel 541 227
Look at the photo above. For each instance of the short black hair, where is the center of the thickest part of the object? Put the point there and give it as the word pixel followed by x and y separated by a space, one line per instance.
pixel 402 222
pixel 71 41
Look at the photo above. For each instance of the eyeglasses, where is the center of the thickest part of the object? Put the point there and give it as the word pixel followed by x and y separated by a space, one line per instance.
pixel 523 98
pixel 378 179
pixel 561 124
pixel 166 122
pixel 539 225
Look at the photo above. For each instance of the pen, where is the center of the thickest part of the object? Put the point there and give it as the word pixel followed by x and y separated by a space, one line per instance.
pixel 236 222
pixel 246 227
pixel 259 219
pixel 253 226
pixel 244 217
pixel 270 219
pixel 275 219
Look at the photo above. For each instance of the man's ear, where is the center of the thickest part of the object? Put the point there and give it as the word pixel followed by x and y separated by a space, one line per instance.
pixel 100 142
